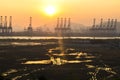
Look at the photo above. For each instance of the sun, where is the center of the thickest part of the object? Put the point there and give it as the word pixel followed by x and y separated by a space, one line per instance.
pixel 50 10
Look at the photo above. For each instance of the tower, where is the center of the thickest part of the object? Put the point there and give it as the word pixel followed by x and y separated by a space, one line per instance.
pixel 68 29
pixel 115 23
pixel 101 23
pixel 57 26
pixel 64 22
pixel 10 25
pixel 30 26
pixel 111 25
pixel 1 26
pixel 94 21
pixel 61 24
pixel 69 23
pixel 5 25
pixel 108 23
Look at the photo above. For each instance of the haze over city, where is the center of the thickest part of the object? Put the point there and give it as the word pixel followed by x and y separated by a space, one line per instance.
pixel 80 11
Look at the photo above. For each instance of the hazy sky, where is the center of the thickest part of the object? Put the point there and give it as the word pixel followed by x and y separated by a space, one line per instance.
pixel 81 11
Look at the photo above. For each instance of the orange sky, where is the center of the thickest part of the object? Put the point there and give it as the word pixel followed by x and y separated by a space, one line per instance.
pixel 81 11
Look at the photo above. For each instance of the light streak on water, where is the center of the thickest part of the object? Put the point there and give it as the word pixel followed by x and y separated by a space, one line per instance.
pixel 90 66
pixel 39 38
pixel 38 62
pixel 9 72
pixel 57 59
pixel 17 77
pixel 25 43
pixel 98 69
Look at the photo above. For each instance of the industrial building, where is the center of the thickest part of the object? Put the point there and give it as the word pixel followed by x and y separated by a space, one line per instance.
pixel 4 28
pixel 107 28
pixel 63 27
pixel 29 29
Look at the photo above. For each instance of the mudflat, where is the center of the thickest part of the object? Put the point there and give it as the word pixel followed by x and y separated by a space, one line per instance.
pixel 84 59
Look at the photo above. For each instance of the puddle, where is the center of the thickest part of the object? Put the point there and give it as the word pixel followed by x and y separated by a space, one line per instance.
pixel 17 77
pixel 96 73
pixel 38 62
pixel 90 66
pixel 58 60
pixel 77 61
pixel 9 72
pixel 25 43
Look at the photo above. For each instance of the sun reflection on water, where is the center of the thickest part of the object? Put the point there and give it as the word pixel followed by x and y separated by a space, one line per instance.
pixel 58 58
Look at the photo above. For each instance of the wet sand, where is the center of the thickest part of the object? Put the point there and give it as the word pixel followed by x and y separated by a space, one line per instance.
pixel 106 52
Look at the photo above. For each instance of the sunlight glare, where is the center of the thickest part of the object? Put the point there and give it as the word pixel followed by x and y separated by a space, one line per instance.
pixel 50 10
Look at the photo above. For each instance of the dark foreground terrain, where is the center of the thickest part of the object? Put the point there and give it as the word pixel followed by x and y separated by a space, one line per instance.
pixel 79 60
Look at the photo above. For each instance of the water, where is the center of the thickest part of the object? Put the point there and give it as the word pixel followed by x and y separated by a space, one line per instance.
pixel 57 60
pixel 78 58
pixel 38 38
pixel 60 61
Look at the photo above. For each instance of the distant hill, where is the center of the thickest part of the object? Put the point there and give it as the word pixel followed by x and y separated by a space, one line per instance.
pixel 118 27
pixel 76 27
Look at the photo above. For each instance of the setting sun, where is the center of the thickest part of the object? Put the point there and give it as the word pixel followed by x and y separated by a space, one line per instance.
pixel 50 10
